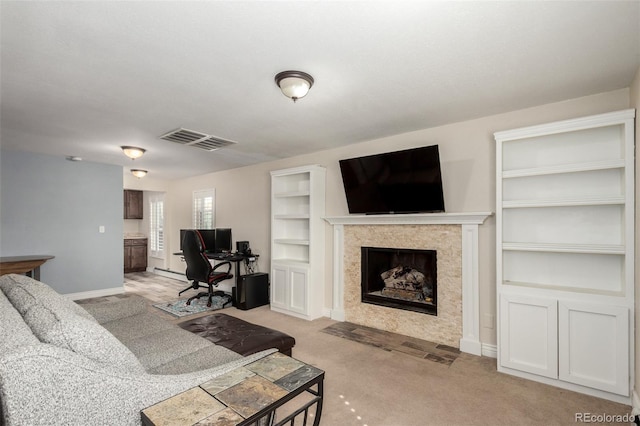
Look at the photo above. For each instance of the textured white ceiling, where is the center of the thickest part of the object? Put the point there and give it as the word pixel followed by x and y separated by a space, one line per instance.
pixel 83 78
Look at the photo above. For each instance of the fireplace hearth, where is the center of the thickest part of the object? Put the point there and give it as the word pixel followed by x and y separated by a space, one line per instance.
pixel 400 278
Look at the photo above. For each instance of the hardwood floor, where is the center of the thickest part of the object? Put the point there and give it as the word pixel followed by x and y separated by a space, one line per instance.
pixel 155 288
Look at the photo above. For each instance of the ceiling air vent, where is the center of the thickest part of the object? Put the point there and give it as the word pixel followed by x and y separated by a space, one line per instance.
pixel 196 139
pixel 212 143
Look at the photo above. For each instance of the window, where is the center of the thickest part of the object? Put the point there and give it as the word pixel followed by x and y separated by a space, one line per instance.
pixel 156 225
pixel 204 203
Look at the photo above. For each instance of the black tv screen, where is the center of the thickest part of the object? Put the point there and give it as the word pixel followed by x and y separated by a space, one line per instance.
pixel 407 181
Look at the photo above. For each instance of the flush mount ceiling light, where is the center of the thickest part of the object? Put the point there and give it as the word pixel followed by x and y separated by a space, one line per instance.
pixel 139 173
pixel 132 152
pixel 294 84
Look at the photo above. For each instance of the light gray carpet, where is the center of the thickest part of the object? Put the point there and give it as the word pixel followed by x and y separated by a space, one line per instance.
pixel 371 386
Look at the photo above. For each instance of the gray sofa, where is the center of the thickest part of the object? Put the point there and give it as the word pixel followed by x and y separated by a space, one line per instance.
pixel 61 363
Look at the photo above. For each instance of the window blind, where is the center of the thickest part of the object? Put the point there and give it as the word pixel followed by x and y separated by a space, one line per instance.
pixel 204 209
pixel 156 224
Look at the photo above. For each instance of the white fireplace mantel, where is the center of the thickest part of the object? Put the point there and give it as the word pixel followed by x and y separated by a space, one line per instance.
pixel 470 341
pixel 411 219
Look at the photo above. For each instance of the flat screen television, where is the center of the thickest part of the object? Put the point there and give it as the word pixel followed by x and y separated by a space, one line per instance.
pixel 407 181
pixel 223 240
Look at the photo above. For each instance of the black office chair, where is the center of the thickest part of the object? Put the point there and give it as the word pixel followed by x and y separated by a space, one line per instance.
pixel 200 270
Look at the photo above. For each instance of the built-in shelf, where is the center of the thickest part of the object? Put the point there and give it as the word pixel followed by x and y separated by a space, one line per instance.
pixel 564 168
pixel 565 264
pixel 291 262
pixel 597 293
pixel 291 194
pixel 291 241
pixel 290 216
pixel 563 203
pixel 565 248
pixel 297 245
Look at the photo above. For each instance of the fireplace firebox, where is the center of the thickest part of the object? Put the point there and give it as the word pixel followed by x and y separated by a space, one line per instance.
pixel 400 278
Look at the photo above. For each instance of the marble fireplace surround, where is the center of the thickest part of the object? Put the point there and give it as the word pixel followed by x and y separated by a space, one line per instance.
pixel 453 235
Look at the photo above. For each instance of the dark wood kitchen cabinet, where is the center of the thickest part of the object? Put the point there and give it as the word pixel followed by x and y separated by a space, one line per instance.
pixel 135 255
pixel 132 204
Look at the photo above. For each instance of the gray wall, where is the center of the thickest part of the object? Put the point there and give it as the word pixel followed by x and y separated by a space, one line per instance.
pixel 49 205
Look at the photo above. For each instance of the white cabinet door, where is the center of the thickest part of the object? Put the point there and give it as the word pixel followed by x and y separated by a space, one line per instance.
pixel 298 281
pixel 289 288
pixel 594 345
pixel 529 334
pixel 279 284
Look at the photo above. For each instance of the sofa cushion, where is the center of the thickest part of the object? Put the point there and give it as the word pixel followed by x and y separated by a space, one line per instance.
pixel 14 331
pixel 117 309
pixel 75 333
pixel 24 292
pixel 165 346
pixel 134 327
pixel 195 361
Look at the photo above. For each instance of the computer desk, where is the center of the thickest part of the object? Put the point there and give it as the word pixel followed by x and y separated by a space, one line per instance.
pixel 228 257
pixel 232 257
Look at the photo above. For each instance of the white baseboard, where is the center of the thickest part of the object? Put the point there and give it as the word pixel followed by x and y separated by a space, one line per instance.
pixel 635 404
pixel 95 293
pixel 473 347
pixel 170 274
pixel 489 350
pixel 337 314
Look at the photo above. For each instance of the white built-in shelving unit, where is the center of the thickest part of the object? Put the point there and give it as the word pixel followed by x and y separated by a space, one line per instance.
pixel 297 241
pixel 565 233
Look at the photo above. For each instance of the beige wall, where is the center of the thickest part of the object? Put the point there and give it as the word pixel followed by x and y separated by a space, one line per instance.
pixel 467 151
pixel 634 102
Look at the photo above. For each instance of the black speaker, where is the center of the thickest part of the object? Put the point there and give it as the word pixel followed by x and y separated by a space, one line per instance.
pixel 252 291
pixel 242 247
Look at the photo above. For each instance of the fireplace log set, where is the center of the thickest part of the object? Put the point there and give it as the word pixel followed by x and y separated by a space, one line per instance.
pixel 406 283
pixel 400 278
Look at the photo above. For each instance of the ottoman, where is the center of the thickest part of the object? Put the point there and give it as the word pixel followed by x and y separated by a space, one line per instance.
pixel 240 336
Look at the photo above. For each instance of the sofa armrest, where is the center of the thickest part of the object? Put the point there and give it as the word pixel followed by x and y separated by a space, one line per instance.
pixel 44 385
pixel 117 309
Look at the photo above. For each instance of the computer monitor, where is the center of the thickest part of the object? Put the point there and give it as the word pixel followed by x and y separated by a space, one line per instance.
pixel 209 238
pixel 182 232
pixel 223 240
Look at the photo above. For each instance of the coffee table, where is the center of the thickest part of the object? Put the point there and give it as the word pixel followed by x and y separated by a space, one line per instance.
pixel 247 395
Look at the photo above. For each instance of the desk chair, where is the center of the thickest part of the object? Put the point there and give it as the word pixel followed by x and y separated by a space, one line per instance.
pixel 200 270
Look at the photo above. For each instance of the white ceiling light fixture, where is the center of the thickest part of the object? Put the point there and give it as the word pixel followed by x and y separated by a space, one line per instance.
pixel 133 152
pixel 139 173
pixel 294 84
